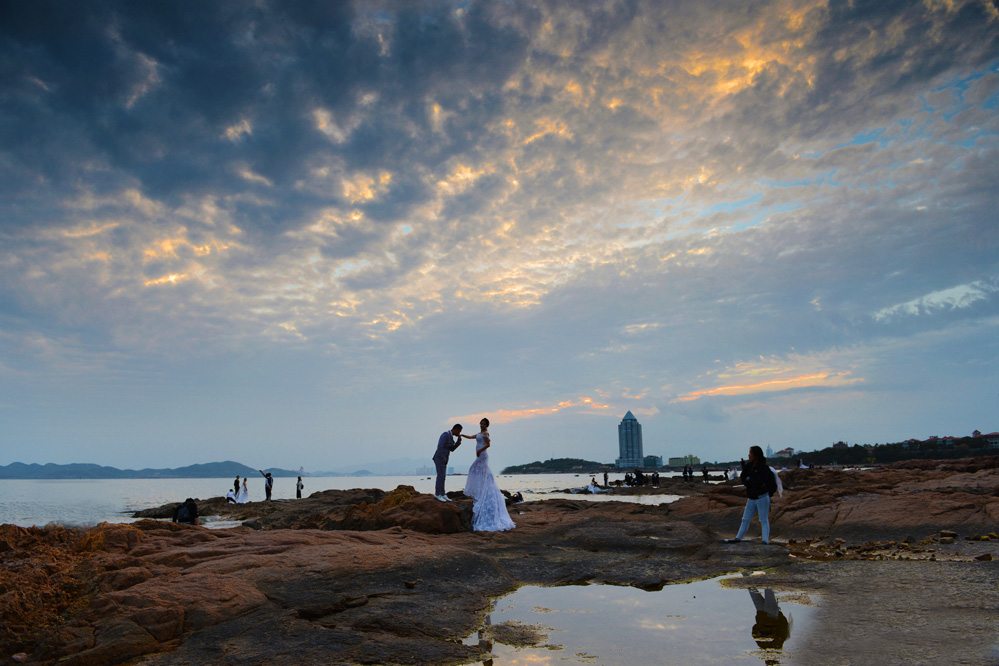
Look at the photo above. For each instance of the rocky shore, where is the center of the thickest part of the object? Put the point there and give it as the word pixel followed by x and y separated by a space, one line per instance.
pixel 900 557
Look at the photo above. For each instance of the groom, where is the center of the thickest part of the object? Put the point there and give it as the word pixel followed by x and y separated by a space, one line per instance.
pixel 445 445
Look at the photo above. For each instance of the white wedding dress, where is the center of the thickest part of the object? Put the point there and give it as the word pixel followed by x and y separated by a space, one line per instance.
pixel 244 496
pixel 489 512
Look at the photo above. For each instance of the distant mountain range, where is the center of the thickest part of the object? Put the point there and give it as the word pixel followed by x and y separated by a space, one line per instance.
pixel 215 470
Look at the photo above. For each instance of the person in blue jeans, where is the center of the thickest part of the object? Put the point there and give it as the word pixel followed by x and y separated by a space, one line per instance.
pixel 760 485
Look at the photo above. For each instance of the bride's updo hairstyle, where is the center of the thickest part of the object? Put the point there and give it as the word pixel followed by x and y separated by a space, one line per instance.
pixel 484 420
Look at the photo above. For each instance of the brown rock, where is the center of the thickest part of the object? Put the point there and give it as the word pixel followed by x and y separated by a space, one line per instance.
pixel 63 641
pixel 123 578
pixel 884 503
pixel 10 536
pixel 110 538
pixel 984 557
pixel 116 641
pixel 428 515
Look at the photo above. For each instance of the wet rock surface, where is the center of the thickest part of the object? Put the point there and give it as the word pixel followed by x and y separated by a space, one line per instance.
pixel 396 578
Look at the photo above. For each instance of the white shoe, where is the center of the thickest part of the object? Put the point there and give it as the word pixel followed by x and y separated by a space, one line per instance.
pixel 441 498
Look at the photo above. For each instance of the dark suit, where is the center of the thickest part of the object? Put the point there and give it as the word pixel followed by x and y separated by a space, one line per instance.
pixel 445 445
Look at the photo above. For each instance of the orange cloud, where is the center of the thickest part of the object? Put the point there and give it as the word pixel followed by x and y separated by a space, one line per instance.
pixel 817 379
pixel 173 278
pixel 508 415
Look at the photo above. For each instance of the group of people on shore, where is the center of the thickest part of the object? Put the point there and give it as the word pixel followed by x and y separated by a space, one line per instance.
pixel 241 494
pixel 688 473
pixel 187 511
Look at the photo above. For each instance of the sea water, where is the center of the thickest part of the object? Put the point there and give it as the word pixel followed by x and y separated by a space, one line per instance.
pixel 28 502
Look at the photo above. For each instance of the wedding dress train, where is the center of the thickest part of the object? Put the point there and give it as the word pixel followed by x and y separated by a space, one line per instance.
pixel 489 512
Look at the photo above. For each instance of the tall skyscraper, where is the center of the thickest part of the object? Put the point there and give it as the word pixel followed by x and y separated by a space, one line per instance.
pixel 629 442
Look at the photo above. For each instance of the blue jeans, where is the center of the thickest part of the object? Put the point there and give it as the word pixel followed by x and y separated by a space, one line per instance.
pixel 760 506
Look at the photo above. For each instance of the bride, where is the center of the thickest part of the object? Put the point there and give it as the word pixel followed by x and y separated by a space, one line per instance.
pixel 489 512
pixel 244 494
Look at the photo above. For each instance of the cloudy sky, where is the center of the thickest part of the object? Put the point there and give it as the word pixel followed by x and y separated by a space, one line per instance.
pixel 305 234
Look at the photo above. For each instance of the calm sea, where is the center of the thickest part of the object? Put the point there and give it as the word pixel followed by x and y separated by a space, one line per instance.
pixel 90 501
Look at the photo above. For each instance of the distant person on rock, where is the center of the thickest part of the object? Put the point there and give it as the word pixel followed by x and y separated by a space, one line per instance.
pixel 268 483
pixel 235 485
pixel 186 513
pixel 298 488
pixel 605 480
pixel 761 483
pixel 446 443
pixel 704 473
pixel 244 495
pixel 230 497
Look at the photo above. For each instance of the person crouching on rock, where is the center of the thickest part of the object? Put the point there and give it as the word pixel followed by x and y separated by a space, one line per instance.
pixel 760 485
pixel 186 513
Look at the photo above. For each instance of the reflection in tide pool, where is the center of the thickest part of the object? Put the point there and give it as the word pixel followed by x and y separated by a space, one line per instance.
pixel 694 623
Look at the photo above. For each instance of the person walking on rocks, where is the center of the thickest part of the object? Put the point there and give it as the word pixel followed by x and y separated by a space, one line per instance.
pixel 761 483
pixel 445 445
pixel 268 483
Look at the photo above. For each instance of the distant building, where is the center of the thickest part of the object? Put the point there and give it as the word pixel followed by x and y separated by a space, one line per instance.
pixel 652 462
pixel 684 460
pixel 629 442
pixel 783 453
pixel 770 452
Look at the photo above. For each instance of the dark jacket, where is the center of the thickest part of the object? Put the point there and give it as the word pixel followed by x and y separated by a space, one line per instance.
pixel 445 445
pixel 759 480
pixel 192 513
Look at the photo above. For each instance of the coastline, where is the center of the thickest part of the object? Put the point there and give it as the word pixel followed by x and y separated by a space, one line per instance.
pixel 292 592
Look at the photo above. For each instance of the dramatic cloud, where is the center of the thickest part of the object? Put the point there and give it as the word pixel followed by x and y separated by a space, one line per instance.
pixel 299 234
